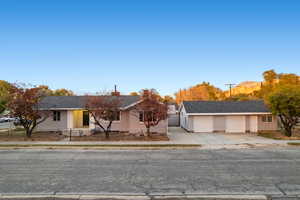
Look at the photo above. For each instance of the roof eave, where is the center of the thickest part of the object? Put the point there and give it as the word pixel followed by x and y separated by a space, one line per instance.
pixel 238 113
pixel 121 108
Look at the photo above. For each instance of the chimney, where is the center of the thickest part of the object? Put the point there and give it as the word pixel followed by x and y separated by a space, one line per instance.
pixel 115 92
pixel 146 93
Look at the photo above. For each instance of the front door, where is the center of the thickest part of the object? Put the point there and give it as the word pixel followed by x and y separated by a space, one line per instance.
pixel 85 118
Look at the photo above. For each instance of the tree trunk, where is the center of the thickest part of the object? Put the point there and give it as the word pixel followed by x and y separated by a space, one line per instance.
pixel 28 133
pixel 288 131
pixel 107 134
pixel 286 125
pixel 107 131
pixel 148 131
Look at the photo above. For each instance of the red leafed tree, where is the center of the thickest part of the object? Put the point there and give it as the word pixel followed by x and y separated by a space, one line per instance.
pixel 151 109
pixel 104 109
pixel 24 105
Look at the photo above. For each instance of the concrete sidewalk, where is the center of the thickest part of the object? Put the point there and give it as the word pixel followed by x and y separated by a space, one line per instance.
pixel 133 197
pixel 179 136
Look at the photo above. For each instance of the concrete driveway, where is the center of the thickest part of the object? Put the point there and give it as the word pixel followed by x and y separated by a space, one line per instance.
pixel 209 139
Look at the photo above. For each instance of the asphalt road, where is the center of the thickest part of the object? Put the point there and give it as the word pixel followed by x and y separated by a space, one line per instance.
pixel 245 171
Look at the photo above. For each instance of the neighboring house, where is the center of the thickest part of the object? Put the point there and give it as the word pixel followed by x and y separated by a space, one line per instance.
pixel 226 116
pixel 68 112
pixel 172 109
pixel 173 115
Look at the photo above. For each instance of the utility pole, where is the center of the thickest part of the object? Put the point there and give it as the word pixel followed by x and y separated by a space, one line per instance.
pixel 115 92
pixel 230 87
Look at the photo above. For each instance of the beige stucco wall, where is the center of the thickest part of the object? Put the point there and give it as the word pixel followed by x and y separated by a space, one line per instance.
pixel 50 125
pixel 219 123
pixel 70 119
pixel 266 126
pixel 135 126
pixel 129 122
pixel 186 122
pixel 116 125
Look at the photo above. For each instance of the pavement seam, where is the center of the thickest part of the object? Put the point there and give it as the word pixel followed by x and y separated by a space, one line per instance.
pixel 147 197
pixel 280 189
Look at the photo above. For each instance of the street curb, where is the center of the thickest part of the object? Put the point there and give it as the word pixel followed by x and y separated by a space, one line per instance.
pixel 128 197
pixel 99 146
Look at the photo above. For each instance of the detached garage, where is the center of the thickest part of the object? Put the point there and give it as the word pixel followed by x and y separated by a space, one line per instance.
pixel 203 123
pixel 235 124
pixel 226 116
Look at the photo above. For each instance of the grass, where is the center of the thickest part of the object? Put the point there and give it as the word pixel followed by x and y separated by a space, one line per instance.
pixel 294 143
pixel 54 146
pixel 19 135
pixel 277 135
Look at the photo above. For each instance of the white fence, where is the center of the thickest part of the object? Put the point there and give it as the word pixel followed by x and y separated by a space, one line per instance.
pixel 173 120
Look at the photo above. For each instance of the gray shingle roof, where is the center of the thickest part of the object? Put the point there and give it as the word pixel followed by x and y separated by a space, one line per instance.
pixel 71 102
pixel 225 106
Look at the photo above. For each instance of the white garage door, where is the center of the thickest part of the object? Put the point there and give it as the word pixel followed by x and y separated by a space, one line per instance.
pixel 203 123
pixel 253 123
pixel 235 124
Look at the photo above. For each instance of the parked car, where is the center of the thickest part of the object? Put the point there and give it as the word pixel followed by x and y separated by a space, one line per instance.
pixel 17 122
pixel 7 119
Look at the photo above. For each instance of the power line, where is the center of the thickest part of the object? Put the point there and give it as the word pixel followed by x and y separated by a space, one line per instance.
pixel 230 87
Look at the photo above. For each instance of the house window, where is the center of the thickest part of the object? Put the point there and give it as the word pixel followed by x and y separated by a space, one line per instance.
pixel 141 116
pixel 56 115
pixel 115 117
pixel 149 114
pixel 267 118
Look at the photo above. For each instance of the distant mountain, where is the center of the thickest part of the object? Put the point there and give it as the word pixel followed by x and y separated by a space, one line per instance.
pixel 245 87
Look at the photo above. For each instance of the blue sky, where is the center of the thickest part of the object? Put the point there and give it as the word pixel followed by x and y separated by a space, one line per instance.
pixel 90 45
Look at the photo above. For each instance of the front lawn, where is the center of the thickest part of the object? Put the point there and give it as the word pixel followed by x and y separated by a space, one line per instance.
pixel 277 135
pixel 116 136
pixel 294 143
pixel 19 135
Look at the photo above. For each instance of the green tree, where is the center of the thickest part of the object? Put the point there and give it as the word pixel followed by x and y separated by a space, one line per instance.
pixel 104 108
pixel 151 109
pixel 4 94
pixel 272 80
pixel 134 94
pixel 45 90
pixel 289 79
pixel 24 103
pixel 168 99
pixel 241 97
pixel 284 102
pixel 270 76
pixel 59 92
pixel 62 92
pixel 204 91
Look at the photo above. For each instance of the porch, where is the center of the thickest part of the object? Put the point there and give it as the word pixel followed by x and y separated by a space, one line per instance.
pixel 78 123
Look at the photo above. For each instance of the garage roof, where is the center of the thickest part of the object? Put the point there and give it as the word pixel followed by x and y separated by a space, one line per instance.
pixel 225 107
